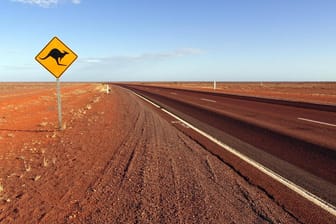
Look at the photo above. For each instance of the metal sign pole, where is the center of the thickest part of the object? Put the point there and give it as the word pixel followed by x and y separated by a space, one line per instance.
pixel 59 103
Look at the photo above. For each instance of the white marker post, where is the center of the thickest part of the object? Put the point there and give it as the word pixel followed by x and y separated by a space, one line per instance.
pixel 59 104
pixel 107 88
pixel 214 85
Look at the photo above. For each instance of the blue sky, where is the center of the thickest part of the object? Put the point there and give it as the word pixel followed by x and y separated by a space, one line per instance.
pixel 172 40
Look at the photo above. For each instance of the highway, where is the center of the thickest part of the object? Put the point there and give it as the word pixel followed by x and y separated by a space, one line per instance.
pixel 295 140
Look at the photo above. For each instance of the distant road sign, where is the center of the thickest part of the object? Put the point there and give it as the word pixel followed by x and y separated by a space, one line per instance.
pixel 56 57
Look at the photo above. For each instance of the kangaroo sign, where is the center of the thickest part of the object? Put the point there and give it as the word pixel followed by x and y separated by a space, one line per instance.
pixel 56 57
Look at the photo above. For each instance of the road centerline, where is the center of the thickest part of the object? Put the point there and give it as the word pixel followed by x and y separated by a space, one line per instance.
pixel 317 122
pixel 208 100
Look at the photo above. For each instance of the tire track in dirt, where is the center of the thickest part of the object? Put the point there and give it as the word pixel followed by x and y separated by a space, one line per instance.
pixel 189 187
pixel 240 187
pixel 117 175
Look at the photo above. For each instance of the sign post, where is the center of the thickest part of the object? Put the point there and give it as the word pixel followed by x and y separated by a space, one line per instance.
pixel 56 57
pixel 59 104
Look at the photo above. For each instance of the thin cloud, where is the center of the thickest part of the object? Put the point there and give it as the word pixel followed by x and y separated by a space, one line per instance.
pixel 76 1
pixel 146 56
pixel 45 3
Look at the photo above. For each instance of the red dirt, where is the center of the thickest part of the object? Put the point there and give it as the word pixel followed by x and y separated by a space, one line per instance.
pixel 117 161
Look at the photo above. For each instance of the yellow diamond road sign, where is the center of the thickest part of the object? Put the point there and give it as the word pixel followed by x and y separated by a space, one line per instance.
pixel 56 57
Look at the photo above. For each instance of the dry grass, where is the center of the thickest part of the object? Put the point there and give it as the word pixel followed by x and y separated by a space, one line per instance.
pixel 79 91
pixel 43 124
pixel 102 88
pixel 27 166
pixel 96 100
pixel 11 135
pixel 64 125
pixel 88 107
pixel 45 162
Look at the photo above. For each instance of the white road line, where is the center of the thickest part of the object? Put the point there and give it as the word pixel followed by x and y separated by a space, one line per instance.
pixel 212 101
pixel 145 99
pixel 181 123
pixel 299 190
pixel 317 122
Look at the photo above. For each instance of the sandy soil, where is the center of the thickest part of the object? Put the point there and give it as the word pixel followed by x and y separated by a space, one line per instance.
pixel 117 161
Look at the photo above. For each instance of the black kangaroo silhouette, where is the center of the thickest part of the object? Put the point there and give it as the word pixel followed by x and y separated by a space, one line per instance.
pixel 57 55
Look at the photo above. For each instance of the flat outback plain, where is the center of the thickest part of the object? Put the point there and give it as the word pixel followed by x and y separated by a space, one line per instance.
pixel 118 160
